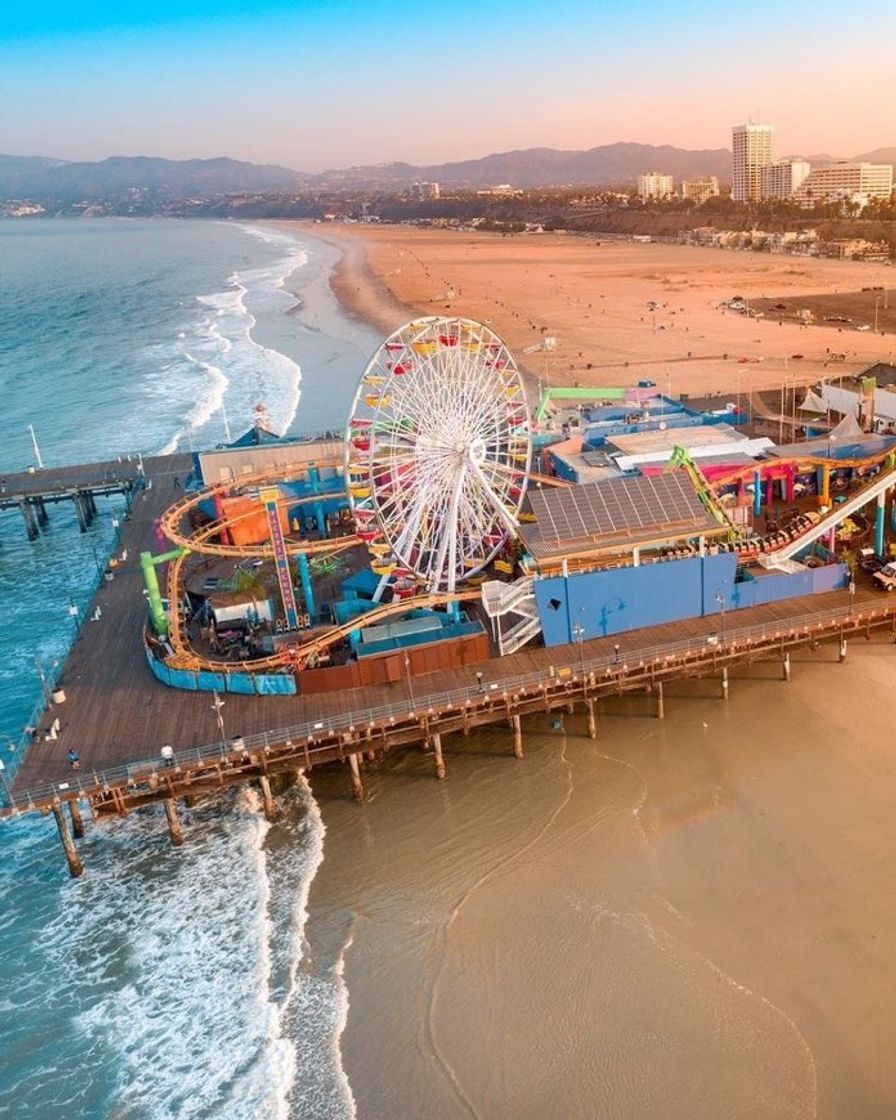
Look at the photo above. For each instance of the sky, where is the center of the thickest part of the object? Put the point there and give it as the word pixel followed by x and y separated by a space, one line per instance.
pixel 313 86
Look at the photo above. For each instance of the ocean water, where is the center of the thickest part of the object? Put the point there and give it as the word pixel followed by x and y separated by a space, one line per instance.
pixel 164 983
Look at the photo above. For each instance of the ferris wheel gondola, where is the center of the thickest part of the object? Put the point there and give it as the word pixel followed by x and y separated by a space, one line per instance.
pixel 439 454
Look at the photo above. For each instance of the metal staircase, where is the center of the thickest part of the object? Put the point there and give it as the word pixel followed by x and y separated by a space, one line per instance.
pixel 516 600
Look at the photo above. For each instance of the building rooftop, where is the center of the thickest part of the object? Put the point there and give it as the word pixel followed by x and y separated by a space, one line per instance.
pixel 664 439
pixel 615 515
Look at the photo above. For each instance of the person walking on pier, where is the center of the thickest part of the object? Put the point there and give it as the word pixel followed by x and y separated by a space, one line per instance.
pixel 74 759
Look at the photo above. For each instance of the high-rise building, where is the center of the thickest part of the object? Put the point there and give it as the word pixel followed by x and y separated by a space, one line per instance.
pixel 752 148
pixel 700 189
pixel 655 185
pixel 857 182
pixel 782 179
pixel 424 191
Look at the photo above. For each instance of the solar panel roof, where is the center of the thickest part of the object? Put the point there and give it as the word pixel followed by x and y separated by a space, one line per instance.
pixel 625 510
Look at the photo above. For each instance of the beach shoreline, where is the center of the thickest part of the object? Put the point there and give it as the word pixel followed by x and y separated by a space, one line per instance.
pixel 595 300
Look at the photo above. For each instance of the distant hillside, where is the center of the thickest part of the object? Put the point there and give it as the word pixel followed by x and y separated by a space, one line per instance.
pixel 64 183
pixel 543 167
pixel 879 155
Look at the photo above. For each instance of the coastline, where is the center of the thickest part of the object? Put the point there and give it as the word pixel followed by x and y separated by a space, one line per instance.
pixel 594 298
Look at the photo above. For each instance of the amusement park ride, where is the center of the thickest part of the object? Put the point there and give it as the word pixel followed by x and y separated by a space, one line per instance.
pixel 436 461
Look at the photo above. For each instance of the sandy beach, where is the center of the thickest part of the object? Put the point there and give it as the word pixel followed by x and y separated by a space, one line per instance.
pixel 687 918
pixel 592 297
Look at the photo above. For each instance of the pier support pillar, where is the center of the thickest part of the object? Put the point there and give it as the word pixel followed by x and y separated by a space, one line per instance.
pixel 785 666
pixel 30 522
pixel 517 737
pixel 40 508
pixel 74 808
pixel 357 784
pixel 880 523
pixel 174 829
pixel 75 866
pixel 270 811
pixel 660 702
pixel 725 683
pixel 81 511
pixel 437 753
pixel 841 653
pixel 592 719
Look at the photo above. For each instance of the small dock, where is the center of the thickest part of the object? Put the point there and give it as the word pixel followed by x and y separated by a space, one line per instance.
pixel 32 491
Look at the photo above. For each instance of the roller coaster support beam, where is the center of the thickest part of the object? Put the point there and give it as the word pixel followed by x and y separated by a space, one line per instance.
pixel 148 564
pixel 879 523
pixel 307 587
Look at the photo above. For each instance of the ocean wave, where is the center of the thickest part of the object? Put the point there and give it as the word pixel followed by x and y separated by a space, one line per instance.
pixel 177 967
pixel 223 346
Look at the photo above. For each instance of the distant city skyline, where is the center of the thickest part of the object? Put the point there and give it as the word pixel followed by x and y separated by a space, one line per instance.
pixel 314 87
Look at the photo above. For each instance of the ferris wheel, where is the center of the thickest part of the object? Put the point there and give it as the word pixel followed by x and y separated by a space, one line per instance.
pixel 437 453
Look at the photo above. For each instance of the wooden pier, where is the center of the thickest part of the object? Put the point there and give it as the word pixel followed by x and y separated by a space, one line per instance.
pixel 117 716
pixel 32 491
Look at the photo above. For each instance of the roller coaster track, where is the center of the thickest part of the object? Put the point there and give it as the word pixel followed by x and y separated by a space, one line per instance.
pixel 199 541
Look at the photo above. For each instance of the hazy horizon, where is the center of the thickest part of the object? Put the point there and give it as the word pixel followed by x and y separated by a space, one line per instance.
pixel 312 87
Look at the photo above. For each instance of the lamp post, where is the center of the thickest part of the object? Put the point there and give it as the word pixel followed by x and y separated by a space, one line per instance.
pixel 579 633
pixel 37 455
pixel 720 599
pixel 852 593
pixel 407 666
pixel 217 705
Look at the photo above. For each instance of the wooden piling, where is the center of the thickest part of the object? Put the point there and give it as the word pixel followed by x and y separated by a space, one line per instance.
pixel 30 521
pixel 174 830
pixel 82 512
pixel 517 737
pixel 74 808
pixel 270 811
pixel 40 508
pixel 357 784
pixel 437 752
pixel 725 683
pixel 841 653
pixel 660 704
pixel 785 666
pixel 75 866
pixel 592 719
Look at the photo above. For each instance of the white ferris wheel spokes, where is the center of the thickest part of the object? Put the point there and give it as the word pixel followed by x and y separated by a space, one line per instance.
pixel 437 453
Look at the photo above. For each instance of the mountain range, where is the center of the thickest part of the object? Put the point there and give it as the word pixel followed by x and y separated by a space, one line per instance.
pixel 61 183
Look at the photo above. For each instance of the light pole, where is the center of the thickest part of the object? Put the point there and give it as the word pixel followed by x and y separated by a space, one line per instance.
pixel 217 705
pixel 876 306
pixel 852 593
pixel 407 666
pixel 579 632
pixel 37 455
pixel 720 599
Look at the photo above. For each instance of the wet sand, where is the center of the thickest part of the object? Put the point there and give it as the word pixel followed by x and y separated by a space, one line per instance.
pixel 593 299
pixel 693 917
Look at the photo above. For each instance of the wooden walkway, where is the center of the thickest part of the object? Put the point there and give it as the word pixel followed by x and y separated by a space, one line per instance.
pixel 116 713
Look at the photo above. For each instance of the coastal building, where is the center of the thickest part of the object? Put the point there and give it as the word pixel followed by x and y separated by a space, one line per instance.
pixel 783 178
pixel 425 192
pixel 852 182
pixel 752 150
pixel 655 185
pixel 700 189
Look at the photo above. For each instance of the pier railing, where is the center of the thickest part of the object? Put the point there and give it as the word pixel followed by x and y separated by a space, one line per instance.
pixel 311 738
